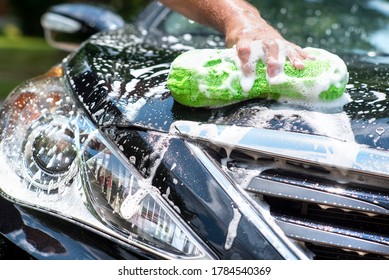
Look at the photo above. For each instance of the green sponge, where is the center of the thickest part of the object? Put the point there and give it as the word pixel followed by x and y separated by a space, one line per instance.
pixel 212 78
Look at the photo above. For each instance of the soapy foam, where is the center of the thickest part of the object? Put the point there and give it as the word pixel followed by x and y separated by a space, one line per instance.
pixel 256 53
pixel 232 229
pixel 322 83
pixel 327 153
pixel 225 58
pixel 280 78
pixel 319 105
pixel 334 125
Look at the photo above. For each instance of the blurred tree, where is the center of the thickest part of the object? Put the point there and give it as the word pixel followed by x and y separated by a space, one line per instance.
pixel 30 11
pixel 128 8
pixel 3 7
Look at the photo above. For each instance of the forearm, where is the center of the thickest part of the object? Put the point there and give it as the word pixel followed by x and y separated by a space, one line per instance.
pixel 223 15
pixel 242 24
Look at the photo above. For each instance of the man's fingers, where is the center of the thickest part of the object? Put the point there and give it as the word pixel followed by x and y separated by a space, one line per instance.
pixel 273 65
pixel 296 59
pixel 243 48
pixel 303 54
pixel 274 54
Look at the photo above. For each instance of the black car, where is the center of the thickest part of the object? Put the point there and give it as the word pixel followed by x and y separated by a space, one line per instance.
pixel 99 161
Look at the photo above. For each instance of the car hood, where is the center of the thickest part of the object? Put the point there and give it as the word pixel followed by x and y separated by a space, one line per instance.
pixel 120 79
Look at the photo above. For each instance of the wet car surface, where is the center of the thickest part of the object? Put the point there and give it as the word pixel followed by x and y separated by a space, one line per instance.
pixel 256 180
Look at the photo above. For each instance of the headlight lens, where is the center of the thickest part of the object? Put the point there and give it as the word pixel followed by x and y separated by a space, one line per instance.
pixel 55 159
pixel 49 152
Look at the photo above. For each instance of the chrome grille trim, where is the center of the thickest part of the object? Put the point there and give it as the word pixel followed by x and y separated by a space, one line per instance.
pixel 308 231
pixel 314 150
pixel 253 211
pixel 305 199
pixel 307 225
pixel 330 197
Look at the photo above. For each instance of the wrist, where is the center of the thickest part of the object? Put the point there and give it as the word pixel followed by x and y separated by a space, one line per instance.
pixel 249 24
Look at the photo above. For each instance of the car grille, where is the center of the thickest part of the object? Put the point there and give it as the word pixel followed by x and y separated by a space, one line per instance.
pixel 332 220
pixel 330 197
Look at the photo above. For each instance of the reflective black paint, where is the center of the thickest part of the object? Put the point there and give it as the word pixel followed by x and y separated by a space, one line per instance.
pixel 193 190
pixel 44 236
pixel 115 59
pixel 121 53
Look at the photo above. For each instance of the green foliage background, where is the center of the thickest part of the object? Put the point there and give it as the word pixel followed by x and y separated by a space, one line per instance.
pixel 23 52
pixel 29 11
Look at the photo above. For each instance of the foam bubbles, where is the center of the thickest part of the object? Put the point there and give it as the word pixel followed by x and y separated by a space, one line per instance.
pixel 332 72
pixel 256 54
pixel 318 105
pixel 334 125
pixel 336 75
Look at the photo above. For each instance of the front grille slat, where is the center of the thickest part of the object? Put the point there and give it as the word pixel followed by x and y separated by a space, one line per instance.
pixel 312 167
pixel 338 221
pixel 331 253
pixel 329 197
pixel 309 231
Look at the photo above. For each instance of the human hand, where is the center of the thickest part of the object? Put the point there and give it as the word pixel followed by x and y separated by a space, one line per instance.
pixel 255 39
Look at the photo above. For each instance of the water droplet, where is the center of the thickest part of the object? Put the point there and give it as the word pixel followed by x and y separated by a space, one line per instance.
pixel 380 130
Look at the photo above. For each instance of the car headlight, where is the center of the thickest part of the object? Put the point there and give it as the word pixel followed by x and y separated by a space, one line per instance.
pixel 55 159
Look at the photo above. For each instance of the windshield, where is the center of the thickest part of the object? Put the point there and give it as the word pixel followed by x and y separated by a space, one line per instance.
pixel 338 26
